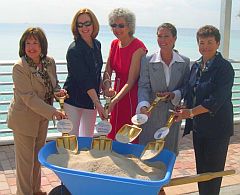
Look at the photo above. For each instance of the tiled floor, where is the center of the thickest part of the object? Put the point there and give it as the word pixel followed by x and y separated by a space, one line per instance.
pixel 184 166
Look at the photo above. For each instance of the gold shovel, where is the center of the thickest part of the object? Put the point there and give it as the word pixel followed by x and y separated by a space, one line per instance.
pixel 66 143
pixel 103 128
pixel 152 149
pixel 128 133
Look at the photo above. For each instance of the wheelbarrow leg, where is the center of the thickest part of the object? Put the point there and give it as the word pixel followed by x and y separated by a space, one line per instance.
pixel 161 192
pixel 59 190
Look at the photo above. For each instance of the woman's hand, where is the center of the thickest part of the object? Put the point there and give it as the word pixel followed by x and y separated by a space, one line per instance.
pixel 182 114
pixel 109 92
pixel 112 104
pixel 100 110
pixel 169 95
pixel 59 115
pixel 60 93
pixel 144 110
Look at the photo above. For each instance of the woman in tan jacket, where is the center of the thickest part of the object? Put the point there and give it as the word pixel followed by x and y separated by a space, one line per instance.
pixel 35 83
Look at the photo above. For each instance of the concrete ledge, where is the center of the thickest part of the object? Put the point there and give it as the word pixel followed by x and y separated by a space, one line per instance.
pixel 8 140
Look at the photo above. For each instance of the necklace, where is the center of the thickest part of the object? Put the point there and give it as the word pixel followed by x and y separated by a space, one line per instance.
pixel 203 66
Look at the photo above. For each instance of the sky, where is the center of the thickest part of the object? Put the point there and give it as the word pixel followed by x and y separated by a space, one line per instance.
pixel 182 13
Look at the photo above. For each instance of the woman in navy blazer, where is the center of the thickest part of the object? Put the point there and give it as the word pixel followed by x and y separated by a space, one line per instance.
pixel 84 63
pixel 210 111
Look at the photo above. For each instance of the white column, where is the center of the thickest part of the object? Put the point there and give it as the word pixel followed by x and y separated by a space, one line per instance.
pixel 225 26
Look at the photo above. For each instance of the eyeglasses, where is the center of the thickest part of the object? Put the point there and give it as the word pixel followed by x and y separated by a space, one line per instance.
pixel 81 24
pixel 117 25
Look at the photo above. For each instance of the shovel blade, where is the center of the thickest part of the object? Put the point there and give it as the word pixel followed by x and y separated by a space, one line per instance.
pixel 128 133
pixel 152 149
pixel 67 143
pixel 102 143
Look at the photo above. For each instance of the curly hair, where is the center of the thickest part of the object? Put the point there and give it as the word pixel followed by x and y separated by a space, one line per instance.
pixel 126 14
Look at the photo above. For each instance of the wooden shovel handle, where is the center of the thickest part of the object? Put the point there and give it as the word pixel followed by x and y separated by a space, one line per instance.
pixel 199 177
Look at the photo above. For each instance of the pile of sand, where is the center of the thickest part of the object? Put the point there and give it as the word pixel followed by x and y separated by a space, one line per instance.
pixel 109 163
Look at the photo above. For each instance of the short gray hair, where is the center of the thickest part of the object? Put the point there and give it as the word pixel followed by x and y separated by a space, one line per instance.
pixel 126 14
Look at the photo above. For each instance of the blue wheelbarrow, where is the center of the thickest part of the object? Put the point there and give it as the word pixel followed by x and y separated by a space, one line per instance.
pixel 88 183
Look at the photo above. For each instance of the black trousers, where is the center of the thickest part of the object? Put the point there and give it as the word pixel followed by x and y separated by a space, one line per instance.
pixel 210 156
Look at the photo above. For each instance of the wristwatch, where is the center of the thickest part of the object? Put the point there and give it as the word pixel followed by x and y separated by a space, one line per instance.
pixel 191 113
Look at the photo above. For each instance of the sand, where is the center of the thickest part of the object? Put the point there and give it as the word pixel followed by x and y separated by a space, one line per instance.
pixel 109 163
pixel 149 154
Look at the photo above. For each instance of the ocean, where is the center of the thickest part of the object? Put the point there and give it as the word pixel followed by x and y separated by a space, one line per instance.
pixel 59 37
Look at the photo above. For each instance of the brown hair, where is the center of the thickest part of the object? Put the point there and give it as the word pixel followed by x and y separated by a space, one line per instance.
pixel 170 27
pixel 36 33
pixel 93 19
pixel 208 31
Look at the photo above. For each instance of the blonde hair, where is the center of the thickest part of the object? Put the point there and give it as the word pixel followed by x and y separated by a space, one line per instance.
pixel 93 20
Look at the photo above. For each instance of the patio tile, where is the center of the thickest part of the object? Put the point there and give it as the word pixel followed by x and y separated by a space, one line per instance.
pixel 184 166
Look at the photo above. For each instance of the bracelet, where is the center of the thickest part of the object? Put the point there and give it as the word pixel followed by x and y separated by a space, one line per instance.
pixel 107 74
pixel 107 80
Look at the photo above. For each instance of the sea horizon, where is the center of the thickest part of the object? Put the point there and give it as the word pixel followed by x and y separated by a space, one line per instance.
pixel 60 36
pixel 35 24
pixel 154 26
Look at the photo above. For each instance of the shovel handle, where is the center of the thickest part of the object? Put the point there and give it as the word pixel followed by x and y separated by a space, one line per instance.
pixel 61 102
pixel 106 105
pixel 155 102
pixel 170 120
pixel 199 177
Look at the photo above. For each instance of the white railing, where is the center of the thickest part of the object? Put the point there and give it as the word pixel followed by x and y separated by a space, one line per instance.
pixel 6 91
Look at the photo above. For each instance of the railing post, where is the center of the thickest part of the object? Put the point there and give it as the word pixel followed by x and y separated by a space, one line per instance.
pixel 225 26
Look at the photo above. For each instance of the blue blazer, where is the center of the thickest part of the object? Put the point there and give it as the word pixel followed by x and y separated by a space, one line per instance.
pixel 84 72
pixel 214 92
